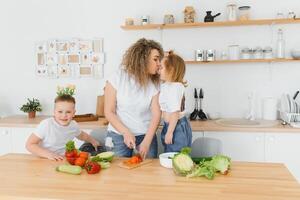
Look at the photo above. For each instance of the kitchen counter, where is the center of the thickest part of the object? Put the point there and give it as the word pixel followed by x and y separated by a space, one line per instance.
pixel 210 125
pixel 28 177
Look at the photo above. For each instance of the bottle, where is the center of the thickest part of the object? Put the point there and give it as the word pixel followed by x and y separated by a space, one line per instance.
pixel 280 45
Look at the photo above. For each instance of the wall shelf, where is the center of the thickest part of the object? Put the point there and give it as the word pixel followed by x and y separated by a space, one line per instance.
pixel 212 24
pixel 244 61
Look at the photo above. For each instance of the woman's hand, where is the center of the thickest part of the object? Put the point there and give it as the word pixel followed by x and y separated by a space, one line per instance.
pixel 129 140
pixel 54 156
pixel 169 138
pixel 144 149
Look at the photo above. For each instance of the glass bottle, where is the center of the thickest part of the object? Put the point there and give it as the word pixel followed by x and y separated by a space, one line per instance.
pixel 280 53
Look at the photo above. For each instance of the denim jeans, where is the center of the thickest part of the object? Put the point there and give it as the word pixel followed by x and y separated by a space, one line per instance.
pixel 120 148
pixel 182 136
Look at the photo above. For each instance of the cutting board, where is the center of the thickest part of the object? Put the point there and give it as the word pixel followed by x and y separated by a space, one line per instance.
pixel 132 166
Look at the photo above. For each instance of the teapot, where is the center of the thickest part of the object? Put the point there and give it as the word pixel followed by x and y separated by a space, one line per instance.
pixel 209 17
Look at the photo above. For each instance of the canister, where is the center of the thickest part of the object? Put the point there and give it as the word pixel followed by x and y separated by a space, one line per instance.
pixel 233 52
pixel 210 55
pixel 199 55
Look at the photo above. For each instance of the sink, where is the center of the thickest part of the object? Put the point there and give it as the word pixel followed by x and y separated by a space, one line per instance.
pixel 237 122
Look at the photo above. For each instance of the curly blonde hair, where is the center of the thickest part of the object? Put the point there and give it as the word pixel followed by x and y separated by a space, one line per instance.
pixel 136 58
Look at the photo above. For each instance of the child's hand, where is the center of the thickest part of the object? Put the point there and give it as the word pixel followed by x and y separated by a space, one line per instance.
pixel 54 156
pixel 95 144
pixel 169 138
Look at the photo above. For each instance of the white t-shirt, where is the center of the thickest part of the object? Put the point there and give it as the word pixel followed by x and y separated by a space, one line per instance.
pixel 133 103
pixel 55 136
pixel 170 96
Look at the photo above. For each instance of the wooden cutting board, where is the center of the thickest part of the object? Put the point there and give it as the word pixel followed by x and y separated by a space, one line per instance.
pixel 132 166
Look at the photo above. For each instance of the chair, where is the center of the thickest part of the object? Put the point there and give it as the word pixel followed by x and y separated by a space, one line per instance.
pixel 206 147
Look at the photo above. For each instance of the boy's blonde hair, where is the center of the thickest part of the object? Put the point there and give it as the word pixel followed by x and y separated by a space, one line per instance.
pixel 65 98
pixel 136 58
pixel 175 65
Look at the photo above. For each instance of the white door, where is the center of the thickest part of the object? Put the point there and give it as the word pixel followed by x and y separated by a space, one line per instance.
pixel 5 141
pixel 284 148
pixel 19 138
pixel 241 146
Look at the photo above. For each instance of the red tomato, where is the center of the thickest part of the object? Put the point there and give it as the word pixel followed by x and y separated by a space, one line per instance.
pixel 92 167
pixel 71 160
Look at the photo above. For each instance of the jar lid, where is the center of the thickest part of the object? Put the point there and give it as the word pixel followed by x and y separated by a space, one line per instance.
pixel 244 7
pixel 258 49
pixel 245 50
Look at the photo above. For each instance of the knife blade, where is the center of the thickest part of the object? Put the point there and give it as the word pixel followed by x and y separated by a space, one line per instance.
pixel 136 152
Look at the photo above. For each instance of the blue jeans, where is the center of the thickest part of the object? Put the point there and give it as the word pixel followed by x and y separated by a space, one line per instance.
pixel 120 148
pixel 182 136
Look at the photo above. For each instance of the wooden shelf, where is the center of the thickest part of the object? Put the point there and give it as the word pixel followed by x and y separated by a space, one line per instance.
pixel 212 24
pixel 243 61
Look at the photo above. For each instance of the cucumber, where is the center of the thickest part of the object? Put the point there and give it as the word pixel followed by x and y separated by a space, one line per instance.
pixel 104 165
pixel 70 169
pixel 106 156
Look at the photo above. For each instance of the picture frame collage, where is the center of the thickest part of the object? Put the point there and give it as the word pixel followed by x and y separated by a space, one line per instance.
pixel 73 58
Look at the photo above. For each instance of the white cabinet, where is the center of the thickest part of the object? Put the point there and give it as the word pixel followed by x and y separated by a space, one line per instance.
pixel 241 146
pixel 5 141
pixel 284 148
pixel 19 137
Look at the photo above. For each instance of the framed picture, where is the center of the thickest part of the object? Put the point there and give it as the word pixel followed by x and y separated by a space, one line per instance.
pixel 52 46
pixel 41 47
pixel 75 70
pixel 41 71
pixel 85 58
pixel 98 71
pixel 62 59
pixel 98 45
pixel 52 71
pixel 85 70
pixel 97 58
pixel 64 71
pixel 62 46
pixel 40 59
pixel 85 45
pixel 73 58
pixel 51 59
pixel 73 46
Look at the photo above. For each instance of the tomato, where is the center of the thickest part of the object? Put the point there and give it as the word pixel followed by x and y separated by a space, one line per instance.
pixel 71 160
pixel 92 167
pixel 72 153
pixel 84 155
pixel 80 161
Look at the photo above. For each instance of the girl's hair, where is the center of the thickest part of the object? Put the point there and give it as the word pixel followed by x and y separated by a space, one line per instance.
pixel 65 98
pixel 175 65
pixel 136 58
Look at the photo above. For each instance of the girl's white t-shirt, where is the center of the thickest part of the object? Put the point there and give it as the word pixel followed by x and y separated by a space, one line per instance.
pixel 133 103
pixel 170 97
pixel 55 136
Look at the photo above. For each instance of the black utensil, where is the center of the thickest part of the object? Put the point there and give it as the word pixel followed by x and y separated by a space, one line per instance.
pixel 194 114
pixel 209 17
pixel 201 114
pixel 295 95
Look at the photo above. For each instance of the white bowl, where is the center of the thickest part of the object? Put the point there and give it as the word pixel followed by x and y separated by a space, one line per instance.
pixel 165 159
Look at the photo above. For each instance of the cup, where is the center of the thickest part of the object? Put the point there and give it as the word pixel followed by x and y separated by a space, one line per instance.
pixel 234 52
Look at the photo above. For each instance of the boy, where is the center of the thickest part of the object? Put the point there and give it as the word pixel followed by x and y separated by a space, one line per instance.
pixel 51 135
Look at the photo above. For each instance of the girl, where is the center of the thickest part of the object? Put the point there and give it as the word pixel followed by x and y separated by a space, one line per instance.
pixel 176 132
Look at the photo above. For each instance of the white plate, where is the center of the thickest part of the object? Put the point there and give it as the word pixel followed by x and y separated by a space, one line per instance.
pixel 284 104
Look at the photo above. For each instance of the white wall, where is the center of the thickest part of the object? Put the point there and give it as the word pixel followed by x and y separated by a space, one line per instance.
pixel 226 86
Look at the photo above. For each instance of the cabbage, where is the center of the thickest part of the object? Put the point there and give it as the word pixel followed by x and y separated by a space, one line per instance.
pixel 221 163
pixel 182 162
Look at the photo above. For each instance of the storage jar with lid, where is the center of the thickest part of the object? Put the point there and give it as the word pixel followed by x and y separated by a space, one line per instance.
pixel 244 13
pixel 258 53
pixel 268 53
pixel 231 12
pixel 246 53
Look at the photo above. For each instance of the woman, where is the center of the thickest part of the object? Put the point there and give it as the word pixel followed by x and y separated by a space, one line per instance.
pixel 131 100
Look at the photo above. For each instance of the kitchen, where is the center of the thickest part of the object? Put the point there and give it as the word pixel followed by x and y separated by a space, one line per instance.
pixel 226 86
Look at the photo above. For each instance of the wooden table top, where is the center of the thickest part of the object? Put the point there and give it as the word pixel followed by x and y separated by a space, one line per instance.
pixel 209 125
pixel 28 177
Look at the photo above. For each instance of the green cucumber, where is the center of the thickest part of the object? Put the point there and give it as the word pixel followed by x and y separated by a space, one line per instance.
pixel 70 169
pixel 104 165
pixel 106 156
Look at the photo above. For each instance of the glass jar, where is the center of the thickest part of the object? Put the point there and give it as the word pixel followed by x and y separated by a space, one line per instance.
pixel 268 53
pixel 231 12
pixel 246 53
pixel 258 53
pixel 244 13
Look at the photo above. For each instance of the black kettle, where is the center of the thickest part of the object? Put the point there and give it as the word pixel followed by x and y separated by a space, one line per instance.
pixel 209 17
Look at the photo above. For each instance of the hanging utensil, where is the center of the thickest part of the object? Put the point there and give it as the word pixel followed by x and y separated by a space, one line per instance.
pixel 201 114
pixel 295 95
pixel 194 114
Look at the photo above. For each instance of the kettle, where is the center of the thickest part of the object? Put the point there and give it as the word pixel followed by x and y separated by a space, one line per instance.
pixel 209 17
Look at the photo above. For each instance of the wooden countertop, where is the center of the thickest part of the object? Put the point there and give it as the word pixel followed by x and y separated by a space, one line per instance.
pixel 28 177
pixel 210 125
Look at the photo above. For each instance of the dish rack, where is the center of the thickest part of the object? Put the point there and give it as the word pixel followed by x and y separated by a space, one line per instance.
pixel 291 118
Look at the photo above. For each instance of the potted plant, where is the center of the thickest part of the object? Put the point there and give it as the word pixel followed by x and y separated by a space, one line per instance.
pixel 31 107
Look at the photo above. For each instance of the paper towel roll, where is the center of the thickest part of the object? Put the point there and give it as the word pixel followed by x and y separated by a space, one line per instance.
pixel 269 108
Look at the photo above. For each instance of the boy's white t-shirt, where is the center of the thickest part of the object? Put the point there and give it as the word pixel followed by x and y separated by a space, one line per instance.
pixel 133 103
pixel 55 136
pixel 170 97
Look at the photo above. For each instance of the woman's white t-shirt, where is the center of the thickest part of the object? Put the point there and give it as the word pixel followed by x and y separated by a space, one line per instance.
pixel 133 103
pixel 55 136
pixel 170 97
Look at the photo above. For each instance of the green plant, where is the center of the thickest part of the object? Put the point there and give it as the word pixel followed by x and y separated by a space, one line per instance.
pixel 31 105
pixel 68 90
